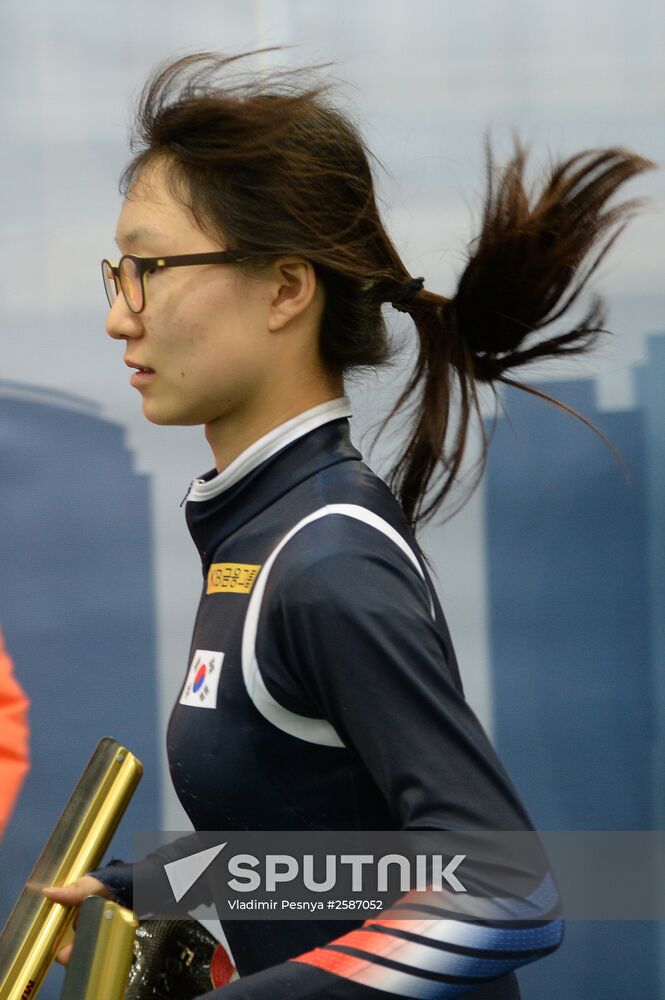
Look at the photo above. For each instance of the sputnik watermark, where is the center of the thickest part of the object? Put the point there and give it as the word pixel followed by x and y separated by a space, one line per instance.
pixel 423 872
pixel 251 874
pixel 475 875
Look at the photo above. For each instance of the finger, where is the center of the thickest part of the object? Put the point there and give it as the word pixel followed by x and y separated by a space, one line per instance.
pixel 68 895
pixel 64 954
pixel 74 893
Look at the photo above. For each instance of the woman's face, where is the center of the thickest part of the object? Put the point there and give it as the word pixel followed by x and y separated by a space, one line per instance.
pixel 205 330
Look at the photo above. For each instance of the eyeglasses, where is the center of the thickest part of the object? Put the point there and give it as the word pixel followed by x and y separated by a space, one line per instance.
pixel 128 275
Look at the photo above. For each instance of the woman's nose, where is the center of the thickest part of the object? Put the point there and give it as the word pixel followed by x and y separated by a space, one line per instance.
pixel 121 322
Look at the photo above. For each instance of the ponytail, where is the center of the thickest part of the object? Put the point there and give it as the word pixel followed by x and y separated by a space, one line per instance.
pixel 522 275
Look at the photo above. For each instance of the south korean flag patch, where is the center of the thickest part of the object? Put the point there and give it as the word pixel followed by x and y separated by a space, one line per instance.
pixel 200 690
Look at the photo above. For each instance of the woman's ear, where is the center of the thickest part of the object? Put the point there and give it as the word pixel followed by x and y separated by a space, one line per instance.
pixel 294 289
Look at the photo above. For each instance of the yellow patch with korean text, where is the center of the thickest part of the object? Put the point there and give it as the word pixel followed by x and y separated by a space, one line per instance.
pixel 231 578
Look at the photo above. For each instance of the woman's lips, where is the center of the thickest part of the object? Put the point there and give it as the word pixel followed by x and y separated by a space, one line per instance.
pixel 142 377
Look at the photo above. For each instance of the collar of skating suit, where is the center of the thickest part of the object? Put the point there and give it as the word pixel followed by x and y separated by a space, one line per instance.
pixel 212 483
pixel 220 503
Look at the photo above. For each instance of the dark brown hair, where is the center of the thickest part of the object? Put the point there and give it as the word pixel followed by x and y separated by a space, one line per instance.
pixel 270 164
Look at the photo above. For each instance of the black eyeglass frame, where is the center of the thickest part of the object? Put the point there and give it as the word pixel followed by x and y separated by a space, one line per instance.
pixel 148 265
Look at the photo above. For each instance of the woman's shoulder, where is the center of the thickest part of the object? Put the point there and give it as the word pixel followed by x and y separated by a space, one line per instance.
pixel 350 541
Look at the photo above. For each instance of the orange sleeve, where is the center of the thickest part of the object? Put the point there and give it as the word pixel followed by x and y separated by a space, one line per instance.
pixel 14 736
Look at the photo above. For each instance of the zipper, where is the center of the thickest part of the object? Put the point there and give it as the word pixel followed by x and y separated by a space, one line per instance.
pixel 187 493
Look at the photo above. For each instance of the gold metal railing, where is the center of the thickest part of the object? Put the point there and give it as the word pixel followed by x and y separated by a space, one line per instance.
pixel 37 926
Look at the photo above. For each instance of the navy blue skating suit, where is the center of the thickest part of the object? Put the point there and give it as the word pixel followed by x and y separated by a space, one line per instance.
pixel 323 693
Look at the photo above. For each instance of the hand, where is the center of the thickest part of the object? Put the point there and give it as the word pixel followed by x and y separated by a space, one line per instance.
pixel 73 895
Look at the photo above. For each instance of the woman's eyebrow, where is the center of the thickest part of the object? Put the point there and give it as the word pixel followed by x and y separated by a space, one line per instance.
pixel 141 234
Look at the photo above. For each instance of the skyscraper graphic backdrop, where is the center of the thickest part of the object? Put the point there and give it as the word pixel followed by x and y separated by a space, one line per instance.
pixel 575 580
pixel 77 608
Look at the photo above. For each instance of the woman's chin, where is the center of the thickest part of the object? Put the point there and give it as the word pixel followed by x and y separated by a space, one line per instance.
pixel 165 417
pixel 159 414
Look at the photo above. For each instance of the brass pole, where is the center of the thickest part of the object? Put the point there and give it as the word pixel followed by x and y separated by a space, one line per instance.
pixel 36 926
